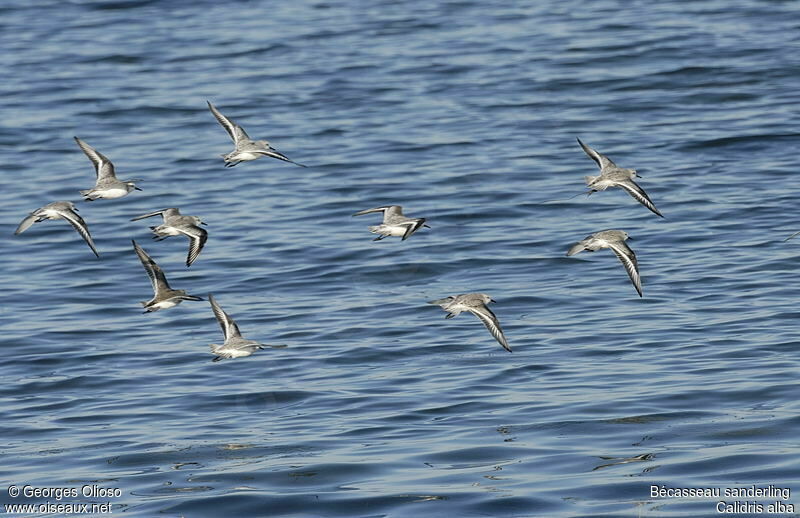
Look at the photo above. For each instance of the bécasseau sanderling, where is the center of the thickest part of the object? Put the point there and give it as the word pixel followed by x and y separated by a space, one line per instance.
pixel 615 240
pixel 175 224
pixel 475 303
pixel 245 149
pixel 394 223
pixel 235 346
pixel 59 210
pixel 613 176
pixel 164 297
pixel 106 186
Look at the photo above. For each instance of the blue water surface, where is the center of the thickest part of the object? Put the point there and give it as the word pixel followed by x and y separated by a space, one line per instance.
pixel 371 404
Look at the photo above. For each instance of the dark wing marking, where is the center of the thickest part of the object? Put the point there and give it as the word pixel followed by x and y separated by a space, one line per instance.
pixel 235 131
pixel 229 327
pixel 412 226
pixel 489 319
pixel 79 225
pixel 276 154
pixel 103 167
pixel 600 159
pixel 197 240
pixel 639 195
pixel 156 274
pixel 628 258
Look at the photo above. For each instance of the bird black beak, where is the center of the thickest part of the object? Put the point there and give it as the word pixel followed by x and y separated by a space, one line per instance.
pixel 204 223
pixel 492 300
pixel 137 188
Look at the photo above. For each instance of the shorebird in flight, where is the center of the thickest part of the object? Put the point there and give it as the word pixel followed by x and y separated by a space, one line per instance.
pixel 106 186
pixel 245 149
pixel 475 303
pixel 176 224
pixel 235 346
pixel 394 223
pixel 615 240
pixel 613 176
pixel 59 210
pixel 164 297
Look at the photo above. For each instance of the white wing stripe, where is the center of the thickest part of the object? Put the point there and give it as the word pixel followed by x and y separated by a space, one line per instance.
pixel 80 225
pixel 492 324
pixel 628 259
pixel 639 195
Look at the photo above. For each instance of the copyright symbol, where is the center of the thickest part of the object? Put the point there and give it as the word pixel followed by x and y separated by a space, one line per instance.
pixel 13 491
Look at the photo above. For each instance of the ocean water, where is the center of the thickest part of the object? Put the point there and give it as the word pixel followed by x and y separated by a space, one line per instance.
pixel 370 403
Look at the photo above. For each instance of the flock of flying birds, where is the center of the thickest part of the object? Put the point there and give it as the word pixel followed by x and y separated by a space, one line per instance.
pixel 394 223
pixel 610 176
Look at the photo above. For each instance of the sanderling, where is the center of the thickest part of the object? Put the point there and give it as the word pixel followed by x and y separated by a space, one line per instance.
pixel 107 186
pixel 613 176
pixel 164 297
pixel 394 223
pixel 59 210
pixel 235 346
pixel 615 240
pixel 245 148
pixel 176 224
pixel 475 303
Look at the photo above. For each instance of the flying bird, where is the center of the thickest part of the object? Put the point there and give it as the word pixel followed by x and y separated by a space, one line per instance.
pixel 613 176
pixel 245 149
pixel 59 210
pixel 615 240
pixel 164 297
pixel 475 303
pixel 394 223
pixel 235 346
pixel 106 186
pixel 176 224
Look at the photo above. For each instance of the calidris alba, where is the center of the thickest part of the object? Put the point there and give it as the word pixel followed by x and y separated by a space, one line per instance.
pixel 615 240
pixel 164 297
pixel 245 148
pixel 235 346
pixel 613 176
pixel 394 223
pixel 107 186
pixel 475 303
pixel 59 210
pixel 176 224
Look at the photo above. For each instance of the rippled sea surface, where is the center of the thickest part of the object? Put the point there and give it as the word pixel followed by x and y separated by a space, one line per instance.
pixel 465 113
